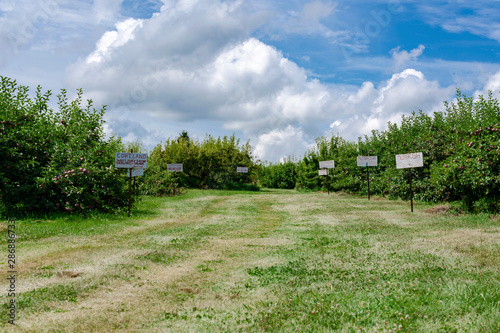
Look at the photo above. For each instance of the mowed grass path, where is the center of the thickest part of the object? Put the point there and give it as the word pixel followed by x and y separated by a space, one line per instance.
pixel 276 260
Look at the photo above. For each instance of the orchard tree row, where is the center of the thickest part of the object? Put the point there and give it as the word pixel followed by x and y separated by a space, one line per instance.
pixel 208 164
pixel 60 161
pixel 55 160
pixel 461 149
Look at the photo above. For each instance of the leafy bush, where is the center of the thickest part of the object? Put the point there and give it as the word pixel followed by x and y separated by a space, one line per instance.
pixel 160 183
pixel 280 175
pixel 55 161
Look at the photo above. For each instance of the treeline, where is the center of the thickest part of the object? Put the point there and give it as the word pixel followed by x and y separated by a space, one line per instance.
pixel 207 164
pixel 461 149
pixel 60 161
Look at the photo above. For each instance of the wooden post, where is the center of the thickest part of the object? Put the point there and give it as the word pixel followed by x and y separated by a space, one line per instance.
pixel 411 193
pixel 328 184
pixel 129 185
pixel 324 182
pixel 368 178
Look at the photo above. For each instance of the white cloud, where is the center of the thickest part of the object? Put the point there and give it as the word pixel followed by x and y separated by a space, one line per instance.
pixel 279 144
pixel 482 19
pixel 106 10
pixel 492 84
pixel 198 65
pixel 215 71
pixel 7 5
pixel 315 11
pixel 114 39
pixel 402 58
pixel 371 108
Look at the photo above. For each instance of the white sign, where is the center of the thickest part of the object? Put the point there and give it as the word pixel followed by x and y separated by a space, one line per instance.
pixel 364 161
pixel 242 169
pixel 136 172
pixel 414 160
pixel 174 167
pixel 323 172
pixel 131 160
pixel 326 164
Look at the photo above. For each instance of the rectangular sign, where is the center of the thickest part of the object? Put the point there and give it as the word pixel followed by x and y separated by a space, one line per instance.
pixel 131 160
pixel 136 172
pixel 326 164
pixel 242 169
pixel 323 172
pixel 413 160
pixel 364 161
pixel 174 167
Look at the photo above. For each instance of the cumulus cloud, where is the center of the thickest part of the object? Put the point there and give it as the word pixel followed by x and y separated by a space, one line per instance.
pixel 114 39
pixel 105 10
pixel 213 70
pixel 281 144
pixel 492 84
pixel 401 58
pixel 372 108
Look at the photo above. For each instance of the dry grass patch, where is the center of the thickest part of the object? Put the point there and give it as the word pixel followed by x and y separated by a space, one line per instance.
pixel 224 263
pixel 437 209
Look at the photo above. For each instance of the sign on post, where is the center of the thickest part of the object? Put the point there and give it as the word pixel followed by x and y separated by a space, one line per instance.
pixel 414 160
pixel 324 173
pixel 366 161
pixel 242 169
pixel 177 167
pixel 136 172
pixel 326 164
pixel 130 160
pixel 408 161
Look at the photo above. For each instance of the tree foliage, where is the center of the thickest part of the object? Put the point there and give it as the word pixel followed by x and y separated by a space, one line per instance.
pixel 55 160
pixel 461 149
pixel 210 163
pixel 278 175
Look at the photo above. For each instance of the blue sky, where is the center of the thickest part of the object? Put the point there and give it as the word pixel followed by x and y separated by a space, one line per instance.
pixel 277 73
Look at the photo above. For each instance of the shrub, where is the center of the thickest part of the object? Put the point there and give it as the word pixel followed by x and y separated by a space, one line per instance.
pixel 55 161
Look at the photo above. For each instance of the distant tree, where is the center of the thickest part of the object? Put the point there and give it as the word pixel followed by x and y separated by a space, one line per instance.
pixel 211 163
pixel 183 136
pixel 137 146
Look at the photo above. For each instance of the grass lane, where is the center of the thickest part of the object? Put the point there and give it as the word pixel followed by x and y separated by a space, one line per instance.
pixel 271 261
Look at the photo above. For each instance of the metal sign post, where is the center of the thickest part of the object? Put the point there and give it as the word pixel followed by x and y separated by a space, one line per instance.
pixel 324 173
pixel 368 180
pixel 411 194
pixel 326 165
pixel 328 184
pixel 130 161
pixel 129 185
pixel 409 161
pixel 242 170
pixel 366 161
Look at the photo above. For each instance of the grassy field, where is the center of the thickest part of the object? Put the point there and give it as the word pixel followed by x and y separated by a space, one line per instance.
pixel 275 260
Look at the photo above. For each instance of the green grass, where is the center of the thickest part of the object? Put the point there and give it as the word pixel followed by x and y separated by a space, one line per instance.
pixel 277 261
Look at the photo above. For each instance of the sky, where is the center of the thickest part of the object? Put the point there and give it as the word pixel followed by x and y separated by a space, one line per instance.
pixel 278 73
